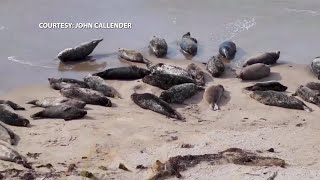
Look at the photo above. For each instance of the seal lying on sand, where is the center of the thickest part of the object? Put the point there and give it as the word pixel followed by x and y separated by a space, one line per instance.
pixel 132 55
pixel 254 72
pixel 196 73
pixel 265 58
pixel 179 93
pixel 12 105
pixel 60 83
pixel 152 102
pixel 7 135
pixel 88 96
pixel 188 44
pixel 315 86
pixel 212 96
pixel 215 66
pixel 274 98
pixel 308 95
pixel 169 69
pixel 80 52
pixel 228 49
pixel 166 81
pixel 158 46
pixel 268 85
pixel 60 112
pixel 9 154
pixel 98 84
pixel 7 116
pixel 315 67
pixel 123 73
pixel 55 101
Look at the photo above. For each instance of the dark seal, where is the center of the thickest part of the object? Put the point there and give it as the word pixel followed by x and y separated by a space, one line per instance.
pixel 7 116
pixel 158 46
pixel 254 72
pixel 60 112
pixel 267 58
pixel 123 73
pixel 308 95
pixel 228 49
pixel 12 105
pixel 188 44
pixel 268 85
pixel 315 67
pixel 197 74
pixel 179 93
pixel 60 83
pixel 215 66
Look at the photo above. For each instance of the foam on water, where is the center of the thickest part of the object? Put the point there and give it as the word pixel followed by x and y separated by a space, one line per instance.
pixel 14 59
pixel 305 11
pixel 238 26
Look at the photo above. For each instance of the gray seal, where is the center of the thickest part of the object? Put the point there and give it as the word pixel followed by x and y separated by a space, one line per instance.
pixel 228 49
pixel 268 85
pixel 307 95
pixel 60 83
pixel 153 103
pixel 212 96
pixel 179 93
pixel 188 44
pixel 88 96
pixel 215 66
pixel 55 101
pixel 123 73
pixel 196 73
pixel 60 112
pixel 9 117
pixel 98 84
pixel 267 58
pixel 169 69
pixel 9 154
pixel 7 135
pixel 132 55
pixel 158 46
pixel 279 99
pixel 79 52
pixel 165 81
pixel 12 105
pixel 315 86
pixel 254 72
pixel 315 67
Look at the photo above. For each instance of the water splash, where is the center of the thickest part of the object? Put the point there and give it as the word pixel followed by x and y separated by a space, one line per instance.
pixel 238 26
pixel 14 59
pixel 305 11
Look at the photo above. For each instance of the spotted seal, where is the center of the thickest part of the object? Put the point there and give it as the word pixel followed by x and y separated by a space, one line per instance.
pixel 212 96
pixel 98 84
pixel 315 86
pixel 228 49
pixel 254 72
pixel 215 66
pixel 12 105
pixel 315 67
pixel 267 58
pixel 9 117
pixel 307 94
pixel 60 112
pixel 188 44
pixel 169 69
pixel 60 83
pixel 268 85
pixel 123 73
pixel 196 73
pixel 55 101
pixel 158 46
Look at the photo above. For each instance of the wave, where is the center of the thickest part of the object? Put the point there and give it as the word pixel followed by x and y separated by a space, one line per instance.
pixel 306 11
pixel 14 59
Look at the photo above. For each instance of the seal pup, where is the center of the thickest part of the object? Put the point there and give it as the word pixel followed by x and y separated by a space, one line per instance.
pixel 212 96
pixel 215 66
pixel 169 69
pixel 315 67
pixel 132 55
pixel 7 116
pixel 315 86
pixel 55 101
pixel 123 73
pixel 88 96
pixel 158 46
pixel 267 58
pixel 60 112
pixel 268 85
pixel 179 93
pixel 60 83
pixel 308 95
pixel 165 81
pixel 188 44
pixel 12 105
pixel 7 135
pixel 274 98
pixel 197 74
pixel 228 49
pixel 254 72
pixel 9 154
pixel 153 103
pixel 98 84
pixel 79 52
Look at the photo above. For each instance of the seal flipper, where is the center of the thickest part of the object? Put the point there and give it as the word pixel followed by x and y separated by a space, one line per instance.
pixel 37 115
pixel 15 106
pixel 306 108
pixel 214 106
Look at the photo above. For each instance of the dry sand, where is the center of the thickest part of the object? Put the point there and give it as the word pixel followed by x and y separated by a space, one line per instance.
pixel 130 135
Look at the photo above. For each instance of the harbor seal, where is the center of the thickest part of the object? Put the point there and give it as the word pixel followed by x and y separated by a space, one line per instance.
pixel 254 72
pixel 196 73
pixel 153 103
pixel 268 85
pixel 132 55
pixel 315 67
pixel 279 99
pixel 98 84
pixel 123 73
pixel 7 116
pixel 179 93
pixel 215 66
pixel 7 135
pixel 88 96
pixel 158 46
pixel 169 69
pixel 165 81
pixel 188 44
pixel 58 84
pixel 228 49
pixel 267 58
pixel 307 95
pixel 60 112
pixel 315 86
pixel 79 52
pixel 12 105
pixel 55 101
pixel 9 154
pixel 212 96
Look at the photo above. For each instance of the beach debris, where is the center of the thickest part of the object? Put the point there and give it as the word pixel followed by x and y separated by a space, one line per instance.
pixel 123 167
pixel 49 166
pixel 271 150
pixel 187 146
pixel 86 174
pixel 140 166
pixel 33 155
pixel 103 168
pixel 71 167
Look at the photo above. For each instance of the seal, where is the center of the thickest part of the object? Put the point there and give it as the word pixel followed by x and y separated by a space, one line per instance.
pixel 98 84
pixel 268 85
pixel 153 103
pixel 132 55
pixel 79 52
pixel 60 112
pixel 169 69
pixel 55 101
pixel 123 73
pixel 9 117
pixel 279 99
pixel 7 135
pixel 88 96
pixel 315 86
pixel 165 81
pixel 228 49
pixel 315 67
pixel 179 93
pixel 254 72
pixel 267 58
pixel 60 83
pixel 212 96
pixel 12 105
pixel 197 74
pixel 188 44
pixel 9 154
pixel 158 46
pixel 307 95
pixel 215 66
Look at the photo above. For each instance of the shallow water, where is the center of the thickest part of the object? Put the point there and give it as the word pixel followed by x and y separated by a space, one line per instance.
pixel 28 53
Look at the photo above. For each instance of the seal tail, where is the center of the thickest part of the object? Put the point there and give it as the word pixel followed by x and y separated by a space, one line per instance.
pixel 33 102
pixel 306 108
pixel 178 116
